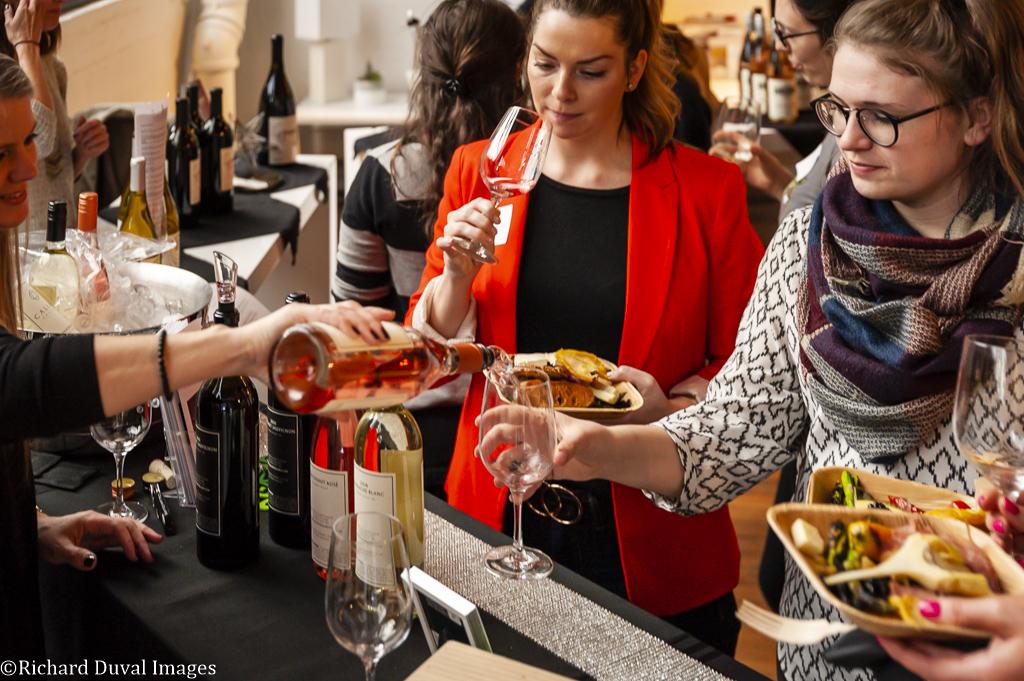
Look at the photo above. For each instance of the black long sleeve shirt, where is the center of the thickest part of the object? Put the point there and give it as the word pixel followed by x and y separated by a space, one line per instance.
pixel 46 386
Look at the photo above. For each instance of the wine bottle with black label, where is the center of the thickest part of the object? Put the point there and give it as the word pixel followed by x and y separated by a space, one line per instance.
pixel 184 167
pixel 289 444
pixel 227 452
pixel 277 104
pixel 218 143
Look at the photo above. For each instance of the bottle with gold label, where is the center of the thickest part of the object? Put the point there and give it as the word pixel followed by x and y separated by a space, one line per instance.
pixel 782 99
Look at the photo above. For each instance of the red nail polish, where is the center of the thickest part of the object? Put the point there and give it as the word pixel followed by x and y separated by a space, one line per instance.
pixel 929 609
pixel 1010 507
pixel 998 526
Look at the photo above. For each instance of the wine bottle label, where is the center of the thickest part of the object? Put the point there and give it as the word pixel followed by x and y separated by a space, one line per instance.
pixel 282 140
pixel 781 100
pixel 39 314
pixel 195 182
pixel 328 500
pixel 227 169
pixel 744 85
pixel 759 91
pixel 397 490
pixel 208 465
pixel 284 456
pixel 373 492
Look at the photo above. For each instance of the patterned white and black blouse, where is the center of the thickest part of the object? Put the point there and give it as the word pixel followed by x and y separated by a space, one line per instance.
pixel 759 415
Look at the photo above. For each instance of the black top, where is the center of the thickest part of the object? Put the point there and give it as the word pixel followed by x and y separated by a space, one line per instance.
pixel 46 386
pixel 693 125
pixel 572 276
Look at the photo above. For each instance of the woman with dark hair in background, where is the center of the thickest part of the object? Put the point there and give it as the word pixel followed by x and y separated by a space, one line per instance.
pixel 470 52
pixel 30 34
pixel 630 246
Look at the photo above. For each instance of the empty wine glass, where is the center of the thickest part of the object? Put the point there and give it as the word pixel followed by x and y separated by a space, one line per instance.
pixel 367 602
pixel 988 411
pixel 510 166
pixel 120 434
pixel 517 445
pixel 744 119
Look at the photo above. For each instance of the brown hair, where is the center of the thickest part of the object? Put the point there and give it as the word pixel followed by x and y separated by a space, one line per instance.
pixel 14 84
pixel 469 54
pixel 963 49
pixel 650 110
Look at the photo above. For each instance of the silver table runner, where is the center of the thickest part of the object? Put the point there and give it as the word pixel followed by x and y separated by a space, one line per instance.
pixel 557 618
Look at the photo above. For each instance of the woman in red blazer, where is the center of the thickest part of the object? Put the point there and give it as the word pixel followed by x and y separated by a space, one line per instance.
pixel 632 246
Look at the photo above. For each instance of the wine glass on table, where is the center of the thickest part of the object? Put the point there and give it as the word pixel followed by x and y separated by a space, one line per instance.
pixel 510 166
pixel 120 434
pixel 367 602
pixel 988 411
pixel 743 118
pixel 517 445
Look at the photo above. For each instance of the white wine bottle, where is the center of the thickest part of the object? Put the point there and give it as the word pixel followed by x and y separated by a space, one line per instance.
pixel 389 472
pixel 280 128
pixel 137 219
pixel 54 274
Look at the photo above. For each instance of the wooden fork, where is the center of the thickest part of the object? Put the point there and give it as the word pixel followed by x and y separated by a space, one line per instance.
pixel 797 632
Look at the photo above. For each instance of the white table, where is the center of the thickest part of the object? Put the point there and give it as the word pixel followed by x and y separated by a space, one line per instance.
pixel 345 113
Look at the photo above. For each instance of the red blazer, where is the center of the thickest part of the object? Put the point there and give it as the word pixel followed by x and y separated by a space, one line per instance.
pixel 690 269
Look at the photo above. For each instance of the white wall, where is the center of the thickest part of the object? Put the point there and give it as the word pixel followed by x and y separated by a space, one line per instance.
pixel 381 38
pixel 121 51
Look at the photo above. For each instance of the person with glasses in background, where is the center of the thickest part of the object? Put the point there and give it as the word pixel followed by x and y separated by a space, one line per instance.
pixel 803 30
pixel 848 351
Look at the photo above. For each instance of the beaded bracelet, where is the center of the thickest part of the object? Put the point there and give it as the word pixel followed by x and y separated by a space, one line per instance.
pixel 165 386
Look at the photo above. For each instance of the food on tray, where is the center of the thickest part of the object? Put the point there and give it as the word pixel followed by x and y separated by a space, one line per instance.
pixel 885 570
pixel 579 379
pixel 849 492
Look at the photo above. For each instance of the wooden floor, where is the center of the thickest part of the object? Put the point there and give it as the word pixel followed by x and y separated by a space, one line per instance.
pixel 748 515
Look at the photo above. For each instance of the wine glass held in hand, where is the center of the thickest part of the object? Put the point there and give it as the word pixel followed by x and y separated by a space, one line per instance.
pixel 367 602
pixel 510 166
pixel 988 412
pixel 743 119
pixel 120 434
pixel 517 445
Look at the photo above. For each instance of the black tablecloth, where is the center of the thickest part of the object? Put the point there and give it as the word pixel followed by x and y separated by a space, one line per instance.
pixel 265 621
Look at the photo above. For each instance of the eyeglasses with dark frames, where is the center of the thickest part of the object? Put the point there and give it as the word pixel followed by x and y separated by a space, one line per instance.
pixel 880 127
pixel 784 37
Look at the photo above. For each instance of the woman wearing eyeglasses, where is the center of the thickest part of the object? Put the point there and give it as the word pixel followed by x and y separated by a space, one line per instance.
pixel 802 29
pixel 848 350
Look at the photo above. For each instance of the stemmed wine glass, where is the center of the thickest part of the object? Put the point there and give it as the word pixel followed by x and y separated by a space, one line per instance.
pixel 510 166
pixel 367 602
pixel 988 411
pixel 744 118
pixel 120 434
pixel 517 445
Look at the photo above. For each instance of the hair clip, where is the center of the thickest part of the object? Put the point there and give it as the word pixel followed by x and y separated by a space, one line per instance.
pixel 453 87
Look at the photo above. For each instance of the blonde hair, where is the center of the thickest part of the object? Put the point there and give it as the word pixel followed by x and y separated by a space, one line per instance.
pixel 14 84
pixel 651 108
pixel 963 49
